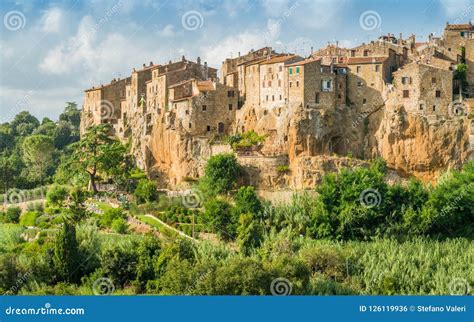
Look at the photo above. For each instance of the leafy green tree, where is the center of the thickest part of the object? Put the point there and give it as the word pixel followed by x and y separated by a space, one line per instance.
pixel 247 201
pixel 24 124
pixel 119 225
pixel 71 115
pixel 148 251
pixel 449 211
pixel 219 218
pixel 57 195
pixel 97 152
pixel 119 264
pixel 66 255
pixel 220 174
pixel 249 233
pixel 38 155
pixel 111 215
pixel 146 191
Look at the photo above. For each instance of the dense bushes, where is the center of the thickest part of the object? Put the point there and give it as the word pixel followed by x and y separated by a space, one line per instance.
pixel 146 191
pixel 220 174
pixel 11 215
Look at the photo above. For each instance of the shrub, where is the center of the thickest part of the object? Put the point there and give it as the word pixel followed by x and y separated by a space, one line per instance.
pixel 220 174
pixel 219 218
pixel 35 206
pixel 246 201
pixel 29 218
pixel 245 140
pixel 12 215
pixel 110 215
pixel 283 169
pixel 146 191
pixel 56 195
pixel 120 225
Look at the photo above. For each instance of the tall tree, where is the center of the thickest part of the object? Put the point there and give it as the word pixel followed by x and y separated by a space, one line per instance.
pixel 66 254
pixel 97 152
pixel 38 153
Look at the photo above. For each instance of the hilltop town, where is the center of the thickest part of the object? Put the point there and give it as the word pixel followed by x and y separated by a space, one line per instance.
pixel 409 102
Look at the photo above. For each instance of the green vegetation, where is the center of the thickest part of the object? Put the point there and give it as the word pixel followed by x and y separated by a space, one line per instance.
pixel 245 140
pixel 221 174
pixel 354 234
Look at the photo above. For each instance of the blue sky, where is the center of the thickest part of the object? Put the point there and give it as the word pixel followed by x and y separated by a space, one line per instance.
pixel 50 51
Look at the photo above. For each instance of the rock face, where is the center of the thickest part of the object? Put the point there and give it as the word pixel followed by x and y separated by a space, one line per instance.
pixel 420 146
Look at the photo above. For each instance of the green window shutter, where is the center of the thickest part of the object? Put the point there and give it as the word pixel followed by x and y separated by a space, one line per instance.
pixel 297 70
pixel 291 70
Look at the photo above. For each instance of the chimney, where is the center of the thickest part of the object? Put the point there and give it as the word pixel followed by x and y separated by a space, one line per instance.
pixel 199 60
pixel 183 58
pixel 144 65
pixel 239 53
pixel 401 37
pixel 151 63
pixel 134 70
pixel 169 62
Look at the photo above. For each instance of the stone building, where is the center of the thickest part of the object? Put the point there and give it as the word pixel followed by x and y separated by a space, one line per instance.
pixel 313 85
pixel 424 89
pixel 201 108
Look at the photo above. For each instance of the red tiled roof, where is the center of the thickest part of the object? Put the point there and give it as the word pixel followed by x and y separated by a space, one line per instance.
pixel 304 62
pixel 278 59
pixel 365 60
pixel 205 86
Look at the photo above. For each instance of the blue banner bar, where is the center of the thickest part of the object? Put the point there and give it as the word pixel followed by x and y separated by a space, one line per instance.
pixel 228 308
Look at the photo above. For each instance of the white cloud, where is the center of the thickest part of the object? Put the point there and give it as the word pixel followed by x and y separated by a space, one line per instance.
pixel 457 8
pixel 168 31
pixel 52 20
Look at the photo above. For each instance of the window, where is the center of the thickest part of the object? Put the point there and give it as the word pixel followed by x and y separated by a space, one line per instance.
pixel 290 70
pixel 273 97
pixel 297 70
pixel 279 83
pixel 438 93
pixel 267 98
pixel 434 108
pixel 263 84
pixel 366 53
pixel 405 80
pixel 353 53
pixel 433 80
pixel 377 68
pixel 316 99
pixel 280 97
pixel 358 69
pixel 269 69
pixel 360 84
pixel 280 68
pixel 269 83
pixel 297 83
pixel 230 107
pixel 364 101
pixel 208 128
pixel 422 107
pixel 204 108
pixel 326 85
pixel 187 112
pixel 290 84
pixel 189 125
pixel 230 93
pixel 406 93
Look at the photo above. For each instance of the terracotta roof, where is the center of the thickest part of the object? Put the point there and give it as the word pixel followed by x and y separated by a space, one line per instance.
pixel 419 44
pixel 365 60
pixel 252 62
pixel 278 59
pixel 126 80
pixel 181 83
pixel 205 86
pixel 462 26
pixel 304 62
